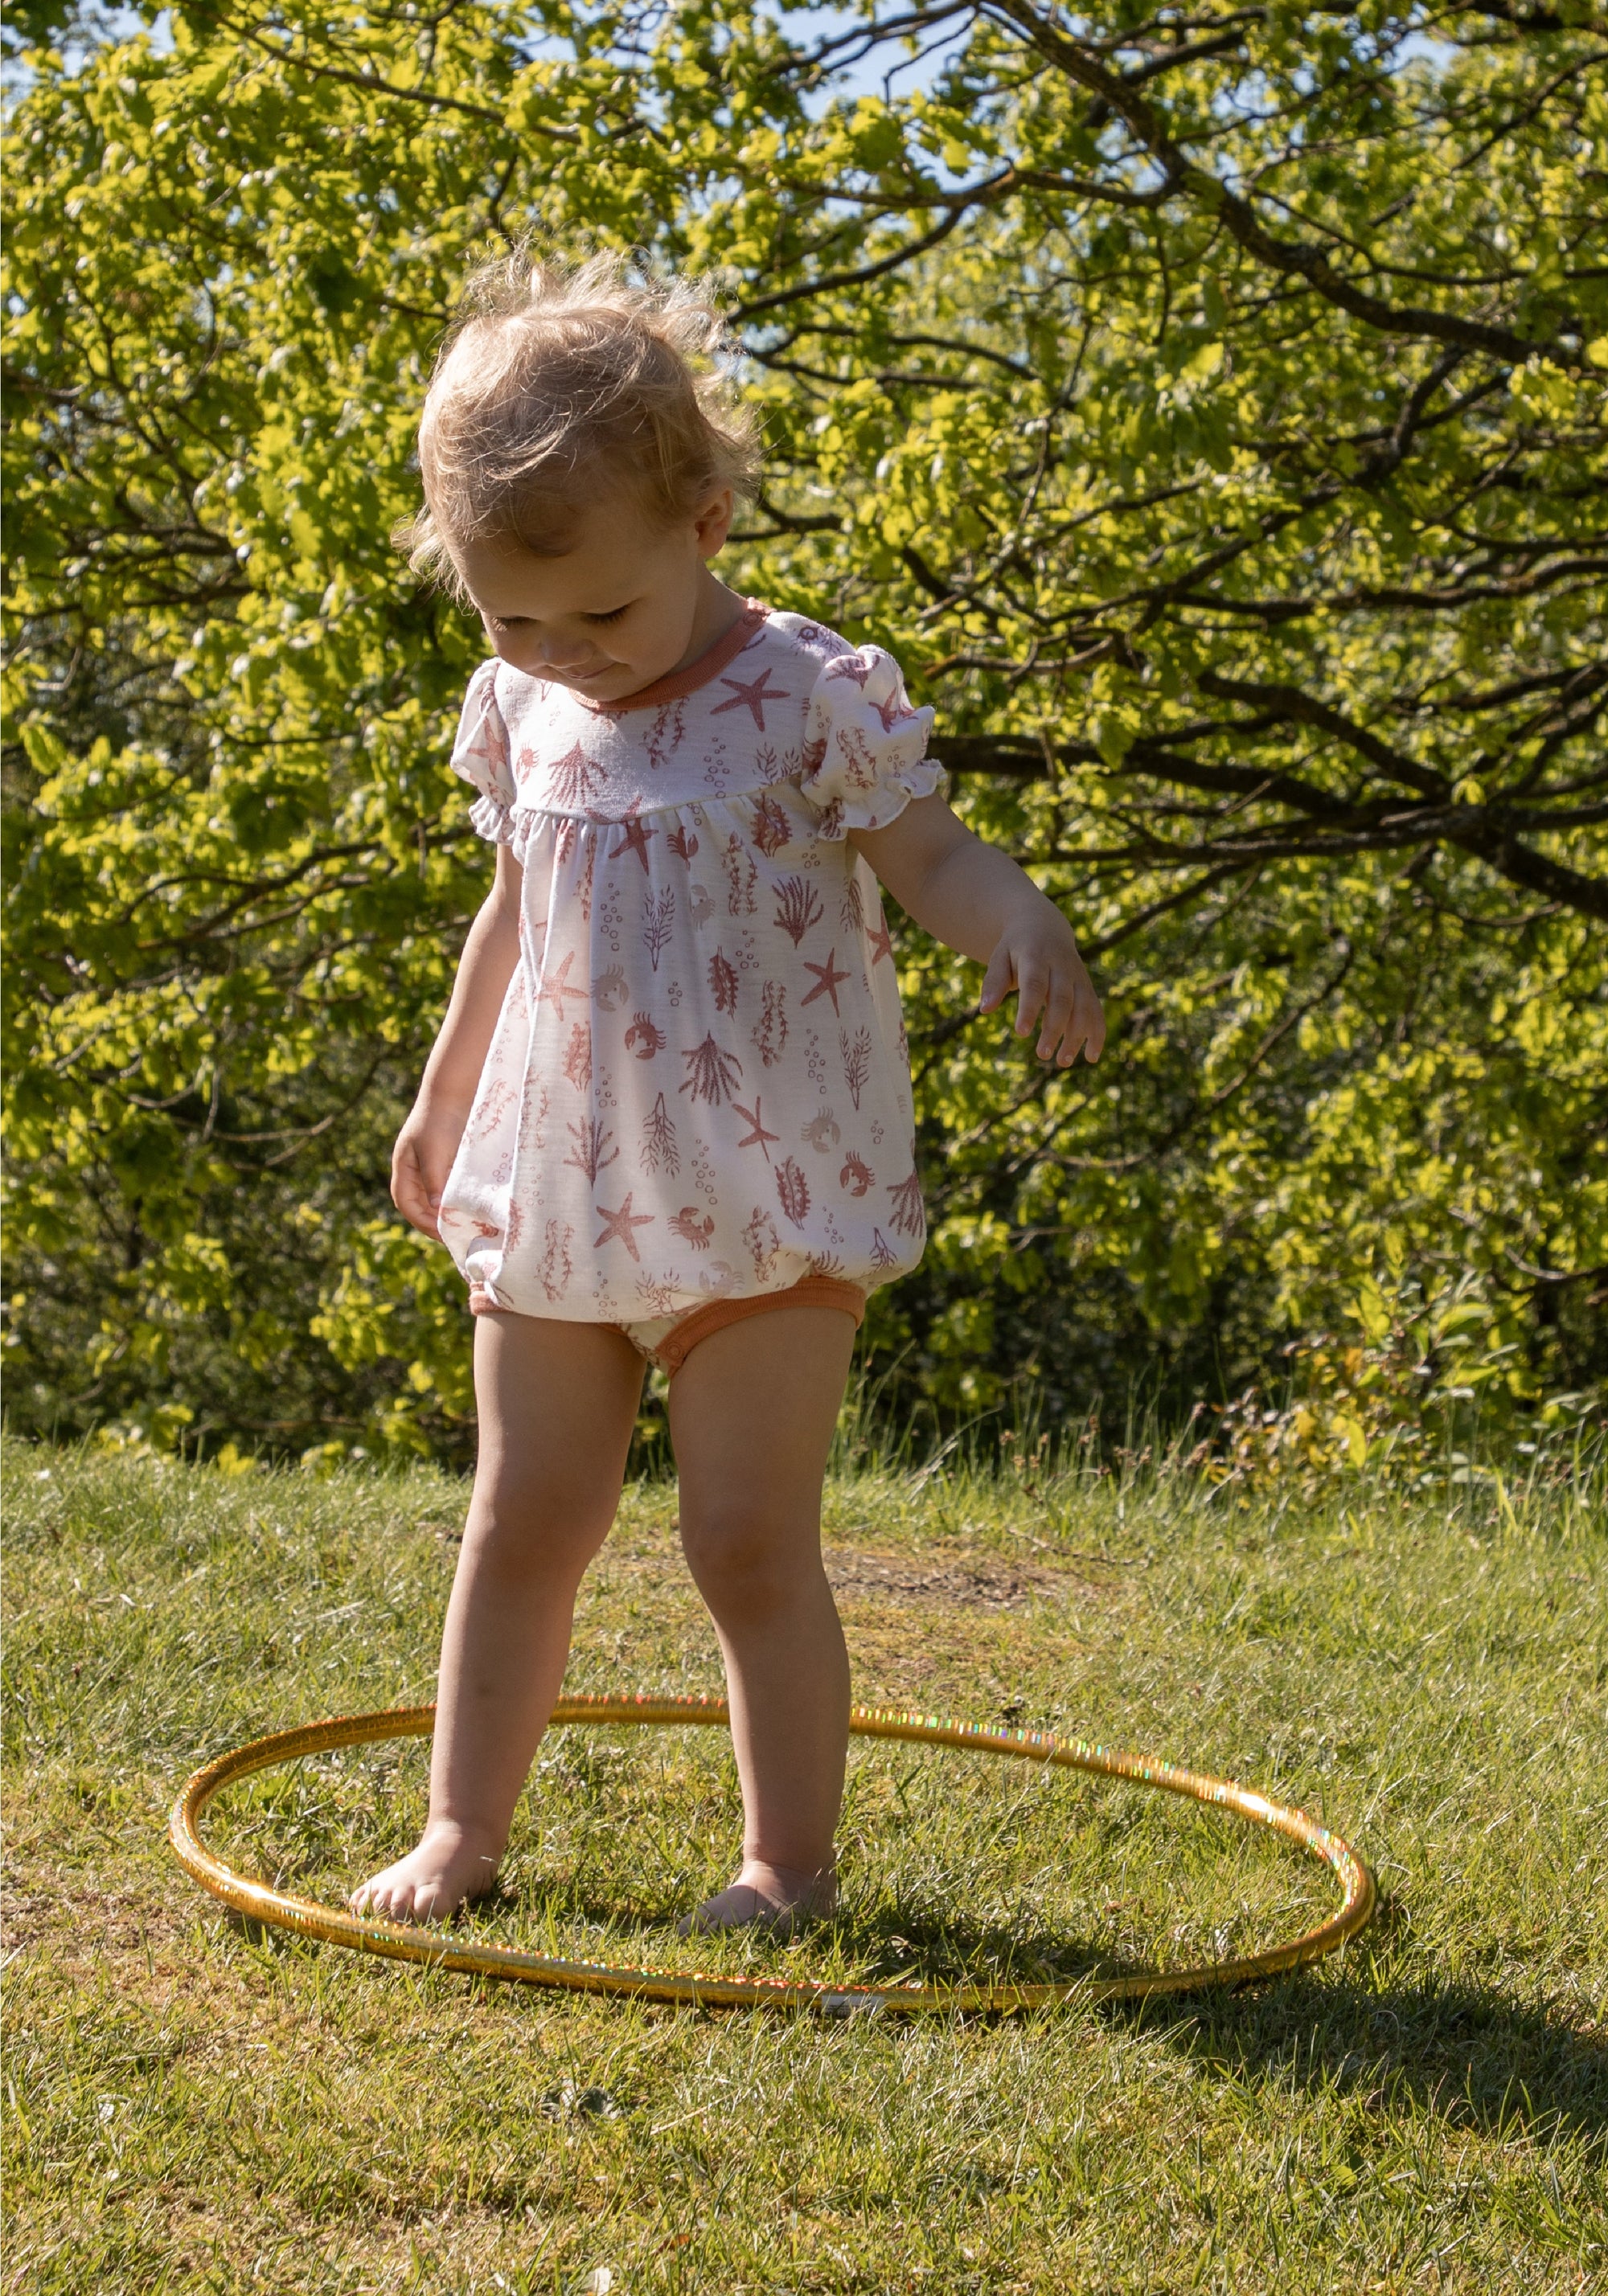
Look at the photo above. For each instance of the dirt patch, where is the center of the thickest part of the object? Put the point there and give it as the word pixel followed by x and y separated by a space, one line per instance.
pixel 973 1585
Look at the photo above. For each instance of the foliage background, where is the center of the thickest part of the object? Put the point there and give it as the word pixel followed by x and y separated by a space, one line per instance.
pixel 1209 409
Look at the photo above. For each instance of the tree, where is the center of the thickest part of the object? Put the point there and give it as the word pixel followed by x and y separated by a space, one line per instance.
pixel 1207 407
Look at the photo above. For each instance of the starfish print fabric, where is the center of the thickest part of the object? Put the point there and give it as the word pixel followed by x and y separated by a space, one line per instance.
pixel 698 1085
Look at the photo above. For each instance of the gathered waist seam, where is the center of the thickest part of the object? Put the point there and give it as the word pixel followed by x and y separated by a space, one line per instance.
pixel 521 813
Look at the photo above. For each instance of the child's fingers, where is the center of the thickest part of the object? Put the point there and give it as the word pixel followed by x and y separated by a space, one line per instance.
pixel 1058 1011
pixel 1032 988
pixel 1073 1022
pixel 1093 1016
pixel 410 1195
pixel 1085 1030
pixel 997 981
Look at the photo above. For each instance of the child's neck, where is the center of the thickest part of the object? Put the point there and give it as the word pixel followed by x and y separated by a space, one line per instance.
pixel 718 609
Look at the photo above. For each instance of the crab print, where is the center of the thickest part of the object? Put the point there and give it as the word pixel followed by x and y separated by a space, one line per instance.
pixel 857 1176
pixel 693 1227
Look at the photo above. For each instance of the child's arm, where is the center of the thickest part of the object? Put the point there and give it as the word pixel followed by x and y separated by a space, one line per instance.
pixel 428 1141
pixel 975 899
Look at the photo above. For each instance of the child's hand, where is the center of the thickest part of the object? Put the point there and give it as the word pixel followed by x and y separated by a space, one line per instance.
pixel 421 1161
pixel 975 897
pixel 1037 956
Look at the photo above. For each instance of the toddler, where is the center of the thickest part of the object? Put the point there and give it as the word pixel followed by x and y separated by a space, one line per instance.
pixel 668 1119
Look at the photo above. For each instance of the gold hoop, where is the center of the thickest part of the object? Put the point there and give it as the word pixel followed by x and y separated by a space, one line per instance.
pixel 404 1942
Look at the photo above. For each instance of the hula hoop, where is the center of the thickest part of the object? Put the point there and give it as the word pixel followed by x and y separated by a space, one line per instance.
pixel 406 1942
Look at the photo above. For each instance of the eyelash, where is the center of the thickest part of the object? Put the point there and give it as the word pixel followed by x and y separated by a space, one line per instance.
pixel 520 621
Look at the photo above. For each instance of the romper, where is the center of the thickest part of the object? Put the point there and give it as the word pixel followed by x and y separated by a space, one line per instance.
pixel 698 1089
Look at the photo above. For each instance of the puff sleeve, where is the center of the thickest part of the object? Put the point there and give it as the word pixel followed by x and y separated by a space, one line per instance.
pixel 865 746
pixel 480 754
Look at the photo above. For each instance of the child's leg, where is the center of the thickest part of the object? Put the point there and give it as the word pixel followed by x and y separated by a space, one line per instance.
pixel 556 1404
pixel 751 1415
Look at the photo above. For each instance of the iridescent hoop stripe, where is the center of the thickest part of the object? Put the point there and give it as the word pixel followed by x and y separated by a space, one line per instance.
pixel 440 1950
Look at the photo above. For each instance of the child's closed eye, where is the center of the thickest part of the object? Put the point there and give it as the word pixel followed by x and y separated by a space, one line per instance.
pixel 614 615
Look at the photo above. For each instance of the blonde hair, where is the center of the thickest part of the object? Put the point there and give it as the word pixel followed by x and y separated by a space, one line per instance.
pixel 559 380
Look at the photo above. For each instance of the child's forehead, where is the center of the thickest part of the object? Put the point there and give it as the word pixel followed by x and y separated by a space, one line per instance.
pixel 608 544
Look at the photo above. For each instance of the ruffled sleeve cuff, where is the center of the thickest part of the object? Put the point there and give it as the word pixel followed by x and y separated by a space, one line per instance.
pixel 493 819
pixel 865 746
pixel 480 755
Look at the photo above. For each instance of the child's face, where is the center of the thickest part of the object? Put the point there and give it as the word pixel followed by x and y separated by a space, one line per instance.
pixel 626 604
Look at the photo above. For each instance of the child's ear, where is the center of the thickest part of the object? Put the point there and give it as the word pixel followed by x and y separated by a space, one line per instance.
pixel 713 522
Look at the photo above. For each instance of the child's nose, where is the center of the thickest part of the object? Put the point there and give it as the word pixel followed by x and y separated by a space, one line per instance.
pixel 563 660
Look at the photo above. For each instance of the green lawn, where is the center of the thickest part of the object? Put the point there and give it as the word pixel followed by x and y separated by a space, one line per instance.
pixel 193 2106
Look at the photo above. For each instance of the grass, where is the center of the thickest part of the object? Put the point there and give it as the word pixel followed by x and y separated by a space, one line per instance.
pixel 193 2106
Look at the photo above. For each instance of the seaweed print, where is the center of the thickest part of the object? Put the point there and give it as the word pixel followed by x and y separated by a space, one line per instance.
pixel 907 1214
pixel 762 1241
pixel 657 1299
pixel 859 760
pixel 714 1072
pixel 682 842
pixel 793 1191
pixel 533 1115
pixel 798 908
pixel 822 1132
pixel 657 915
pixel 572 779
pixel 609 989
pixel 644 1037
pixel 583 884
pixel 693 1227
pixel 825 1263
pixel 553 1266
pixel 856 1175
pixel 658 1150
pixel 853 911
pixel 491 1110
pixel 741 876
pixel 578 1058
pixel 882 1253
pixel 591 1138
pixel 772 828
pixel 856 1060
pixel 770 1036
pixel 723 982
pixel 664 735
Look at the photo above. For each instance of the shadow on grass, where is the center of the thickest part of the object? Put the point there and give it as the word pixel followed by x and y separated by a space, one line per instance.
pixel 1470 2055
pixel 885 1943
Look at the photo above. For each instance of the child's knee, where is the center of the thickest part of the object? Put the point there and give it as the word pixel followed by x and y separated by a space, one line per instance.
pixel 748 1560
pixel 532 1533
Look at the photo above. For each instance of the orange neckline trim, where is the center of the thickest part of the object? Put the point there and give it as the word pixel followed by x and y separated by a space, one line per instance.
pixel 680 682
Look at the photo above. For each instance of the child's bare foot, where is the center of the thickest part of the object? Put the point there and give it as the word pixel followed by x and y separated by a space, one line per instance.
pixel 780 1899
pixel 450 1867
